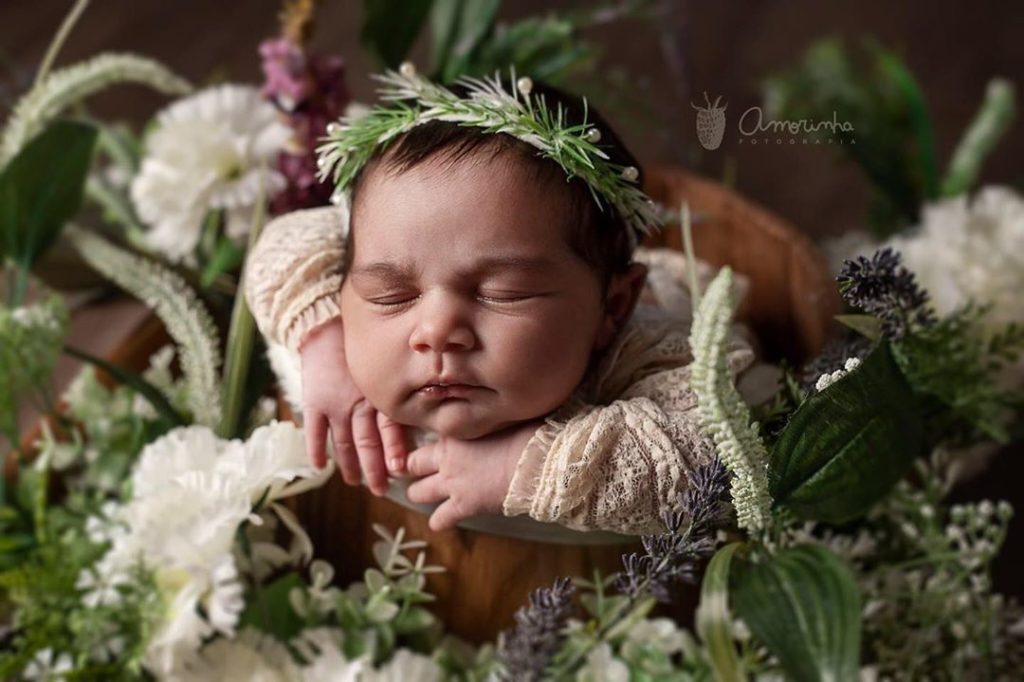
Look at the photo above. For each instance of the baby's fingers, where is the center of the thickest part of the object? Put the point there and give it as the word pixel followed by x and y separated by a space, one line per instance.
pixel 447 516
pixel 344 448
pixel 367 438
pixel 392 435
pixel 316 435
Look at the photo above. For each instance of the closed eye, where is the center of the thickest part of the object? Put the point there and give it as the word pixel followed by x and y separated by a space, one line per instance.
pixel 504 298
pixel 393 302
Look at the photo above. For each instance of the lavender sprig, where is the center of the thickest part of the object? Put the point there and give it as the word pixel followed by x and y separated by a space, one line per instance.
pixel 526 650
pixel 675 555
pixel 882 287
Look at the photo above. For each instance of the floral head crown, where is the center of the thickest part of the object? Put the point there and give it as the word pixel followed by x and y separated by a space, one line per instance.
pixel 351 142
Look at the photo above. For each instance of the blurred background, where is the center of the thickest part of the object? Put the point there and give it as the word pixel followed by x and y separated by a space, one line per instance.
pixel 651 62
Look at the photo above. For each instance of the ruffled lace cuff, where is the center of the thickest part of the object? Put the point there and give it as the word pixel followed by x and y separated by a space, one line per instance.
pixel 324 308
pixel 529 470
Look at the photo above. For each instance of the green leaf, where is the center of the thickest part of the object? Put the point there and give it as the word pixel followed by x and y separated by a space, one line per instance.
pixel 803 604
pixel 848 445
pixel 714 623
pixel 41 189
pixel 868 326
pixel 127 377
pixel 990 124
pixel 271 611
pixel 391 28
pixel 900 76
pixel 226 257
pixel 458 27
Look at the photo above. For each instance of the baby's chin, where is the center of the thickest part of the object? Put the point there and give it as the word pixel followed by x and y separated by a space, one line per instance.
pixel 456 419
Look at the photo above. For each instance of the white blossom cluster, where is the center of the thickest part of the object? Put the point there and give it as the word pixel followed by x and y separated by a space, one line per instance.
pixel 213 150
pixel 829 378
pixel 190 493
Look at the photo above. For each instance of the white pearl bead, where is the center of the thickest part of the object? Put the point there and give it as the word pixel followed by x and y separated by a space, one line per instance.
pixel 407 69
pixel 592 136
pixel 630 173
pixel 333 128
pixel 524 85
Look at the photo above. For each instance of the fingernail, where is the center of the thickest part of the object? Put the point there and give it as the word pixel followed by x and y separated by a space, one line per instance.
pixel 395 464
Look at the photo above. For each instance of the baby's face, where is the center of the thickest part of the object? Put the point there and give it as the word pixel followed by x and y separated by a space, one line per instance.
pixel 462 275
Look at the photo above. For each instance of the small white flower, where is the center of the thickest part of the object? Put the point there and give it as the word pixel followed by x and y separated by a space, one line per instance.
pixel 601 665
pixel 48 665
pixel 212 150
pixel 251 656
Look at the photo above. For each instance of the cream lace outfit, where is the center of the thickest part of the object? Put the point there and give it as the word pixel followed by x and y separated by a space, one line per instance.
pixel 614 457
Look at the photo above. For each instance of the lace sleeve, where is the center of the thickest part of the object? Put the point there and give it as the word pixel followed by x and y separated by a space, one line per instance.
pixel 620 466
pixel 293 275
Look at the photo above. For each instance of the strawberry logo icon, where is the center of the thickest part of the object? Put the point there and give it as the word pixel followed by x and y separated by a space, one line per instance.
pixel 710 123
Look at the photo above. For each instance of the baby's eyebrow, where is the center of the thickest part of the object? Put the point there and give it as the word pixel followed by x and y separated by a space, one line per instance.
pixel 394 272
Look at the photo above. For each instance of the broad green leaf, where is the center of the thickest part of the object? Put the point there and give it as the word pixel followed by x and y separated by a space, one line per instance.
pixel 803 604
pixel 270 610
pixel 714 622
pixel 458 27
pixel 41 189
pixel 848 445
pixel 391 27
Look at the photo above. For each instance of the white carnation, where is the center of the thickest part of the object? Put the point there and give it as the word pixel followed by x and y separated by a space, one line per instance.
pixel 601 665
pixel 190 493
pixel 971 251
pixel 212 150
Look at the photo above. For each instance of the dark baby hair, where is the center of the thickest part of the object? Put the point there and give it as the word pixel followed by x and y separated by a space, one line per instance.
pixel 597 234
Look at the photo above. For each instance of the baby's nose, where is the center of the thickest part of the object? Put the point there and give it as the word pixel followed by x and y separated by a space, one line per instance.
pixel 442 327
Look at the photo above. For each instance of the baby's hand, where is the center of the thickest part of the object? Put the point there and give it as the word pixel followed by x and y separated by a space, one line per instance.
pixel 469 477
pixel 361 435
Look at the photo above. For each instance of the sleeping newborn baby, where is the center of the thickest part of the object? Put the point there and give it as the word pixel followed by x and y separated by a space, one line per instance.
pixel 473 323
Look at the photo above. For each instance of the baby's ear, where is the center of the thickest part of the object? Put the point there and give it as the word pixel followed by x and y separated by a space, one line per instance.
pixel 624 291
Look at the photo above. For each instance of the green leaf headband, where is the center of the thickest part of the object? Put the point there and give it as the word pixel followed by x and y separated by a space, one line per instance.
pixel 352 141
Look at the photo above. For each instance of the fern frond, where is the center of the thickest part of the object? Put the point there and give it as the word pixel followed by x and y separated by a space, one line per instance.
pixel 66 86
pixel 176 304
pixel 723 414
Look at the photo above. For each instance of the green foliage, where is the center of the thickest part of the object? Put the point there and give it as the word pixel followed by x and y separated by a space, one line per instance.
pixel 176 304
pixel 992 121
pixel 713 616
pixel 41 189
pixel 804 605
pixel 391 27
pixel 51 615
pixel 457 29
pixel 892 139
pixel 723 413
pixel 384 610
pixel 467 40
pixel 848 445
pixel 64 87
pixel 956 376
pixel 30 342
